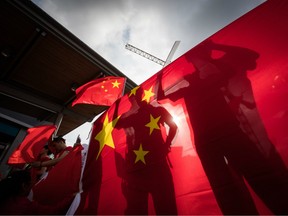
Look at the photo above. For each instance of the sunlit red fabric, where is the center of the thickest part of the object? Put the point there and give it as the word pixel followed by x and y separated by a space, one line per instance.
pixel 32 144
pixel 228 98
pixel 103 91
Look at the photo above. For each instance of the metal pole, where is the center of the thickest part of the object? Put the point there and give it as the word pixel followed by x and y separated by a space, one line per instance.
pixel 172 51
pixel 58 122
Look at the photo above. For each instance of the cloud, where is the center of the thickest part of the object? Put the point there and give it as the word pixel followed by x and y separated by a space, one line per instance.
pixel 153 26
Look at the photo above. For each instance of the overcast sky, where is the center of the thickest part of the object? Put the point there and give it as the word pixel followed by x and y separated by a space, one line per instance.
pixel 150 25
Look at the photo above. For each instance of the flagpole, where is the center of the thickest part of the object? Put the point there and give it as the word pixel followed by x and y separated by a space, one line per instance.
pixel 171 53
pixel 123 90
pixel 58 122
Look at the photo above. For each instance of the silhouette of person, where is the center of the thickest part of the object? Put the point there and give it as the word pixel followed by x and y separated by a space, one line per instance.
pixel 149 132
pixel 227 151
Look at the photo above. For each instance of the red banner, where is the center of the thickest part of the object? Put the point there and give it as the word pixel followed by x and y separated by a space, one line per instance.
pixel 228 99
pixel 103 91
pixel 62 182
pixel 32 144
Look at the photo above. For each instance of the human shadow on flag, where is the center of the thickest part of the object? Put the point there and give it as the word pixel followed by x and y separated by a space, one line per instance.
pixel 149 130
pixel 231 147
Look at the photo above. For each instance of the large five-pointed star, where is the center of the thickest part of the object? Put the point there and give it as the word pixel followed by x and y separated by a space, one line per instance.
pixel 105 135
pixel 153 124
pixel 140 154
pixel 116 84
pixel 147 95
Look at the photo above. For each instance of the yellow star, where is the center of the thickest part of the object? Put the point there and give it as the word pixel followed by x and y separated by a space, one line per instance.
pixel 105 135
pixel 116 84
pixel 103 87
pixel 140 154
pixel 133 91
pixel 153 124
pixel 148 94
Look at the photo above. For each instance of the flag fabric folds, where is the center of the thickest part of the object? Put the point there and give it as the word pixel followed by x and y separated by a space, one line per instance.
pixel 103 91
pixel 32 144
pixel 205 135
pixel 62 181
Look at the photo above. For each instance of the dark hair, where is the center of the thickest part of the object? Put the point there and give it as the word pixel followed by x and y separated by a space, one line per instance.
pixel 58 139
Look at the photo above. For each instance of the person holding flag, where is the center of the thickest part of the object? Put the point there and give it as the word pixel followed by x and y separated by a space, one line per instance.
pixel 58 148
pixel 62 181
pixel 39 173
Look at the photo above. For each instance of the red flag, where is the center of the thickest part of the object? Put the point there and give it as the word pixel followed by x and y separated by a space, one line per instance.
pixel 90 184
pixel 62 181
pixel 103 91
pixel 228 98
pixel 31 146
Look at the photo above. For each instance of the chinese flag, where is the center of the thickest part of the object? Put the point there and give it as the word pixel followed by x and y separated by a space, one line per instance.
pixel 104 91
pixel 207 135
pixel 32 144
pixel 62 181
